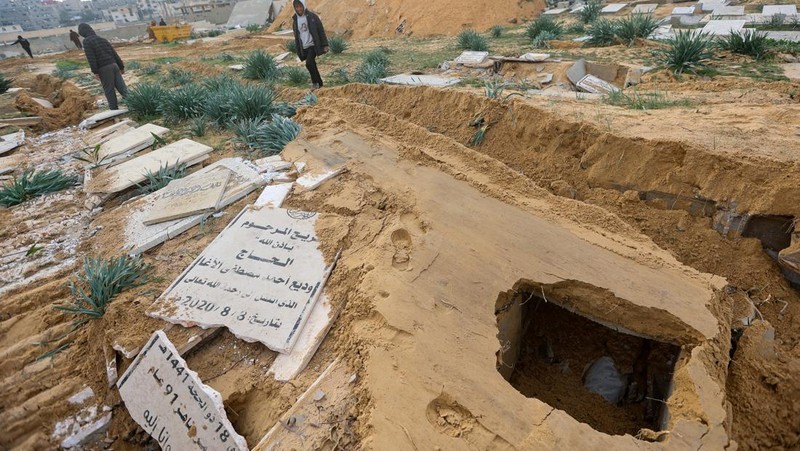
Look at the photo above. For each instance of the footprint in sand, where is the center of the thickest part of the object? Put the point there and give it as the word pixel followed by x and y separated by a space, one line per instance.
pixel 401 240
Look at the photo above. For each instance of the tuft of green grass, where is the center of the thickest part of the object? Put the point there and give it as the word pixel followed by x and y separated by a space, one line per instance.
pixel 496 31
pixel 34 184
pixel 285 109
pixel 644 100
pixel 687 51
pixel 543 40
pixel 590 11
pixel 144 100
pixel 101 281
pixel 151 69
pixel 5 83
pixel 268 138
pixel 308 100
pixel 337 44
pixel 339 77
pixel 133 65
pixel 185 102
pixel 575 28
pixel 478 136
pixel 291 46
pixel 472 40
pixel 603 32
pixel 63 74
pixel 166 59
pixel 70 64
pixel 161 178
pixel 235 101
pixel 198 126
pixel 178 77
pixel 369 73
pixel 494 89
pixel 377 56
pixel 260 66
pixel 295 76
pixel 253 28
pixel 91 155
pixel 636 26
pixel 746 42
pixel 545 24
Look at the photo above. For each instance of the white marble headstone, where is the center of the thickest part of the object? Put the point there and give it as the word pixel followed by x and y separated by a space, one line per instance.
pixel 259 278
pixel 171 403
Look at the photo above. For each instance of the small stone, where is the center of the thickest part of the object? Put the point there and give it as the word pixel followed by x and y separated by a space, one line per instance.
pixel 319 396
pixel 353 378
pixel 512 20
pixel 631 196
pixel 563 189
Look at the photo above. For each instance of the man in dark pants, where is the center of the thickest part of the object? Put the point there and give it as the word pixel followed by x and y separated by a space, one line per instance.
pixel 310 38
pixel 106 65
pixel 25 45
pixel 75 39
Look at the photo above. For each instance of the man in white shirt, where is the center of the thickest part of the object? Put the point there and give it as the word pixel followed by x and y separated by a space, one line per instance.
pixel 310 39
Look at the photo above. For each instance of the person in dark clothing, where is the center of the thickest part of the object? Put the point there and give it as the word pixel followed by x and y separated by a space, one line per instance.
pixel 162 23
pixel 310 38
pixel 75 39
pixel 25 45
pixel 105 64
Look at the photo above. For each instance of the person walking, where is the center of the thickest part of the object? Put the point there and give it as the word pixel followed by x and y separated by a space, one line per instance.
pixel 25 45
pixel 75 39
pixel 162 23
pixel 105 64
pixel 310 39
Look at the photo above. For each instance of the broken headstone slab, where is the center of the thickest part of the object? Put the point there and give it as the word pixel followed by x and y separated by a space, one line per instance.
pixel 723 27
pixel 236 67
pixel 591 84
pixel 260 278
pixel 711 5
pixel 555 11
pixel 535 57
pixel 273 195
pixel 9 164
pixel 78 429
pixel 140 237
pixel 170 402
pixel 130 142
pixel 282 33
pixel 99 118
pixel 312 181
pixel 21 121
pixel 282 56
pixel 189 196
pixel 421 80
pixel 613 8
pixel 42 102
pixel 101 135
pixel 472 58
pixel 133 171
pixel 288 366
pixel 11 141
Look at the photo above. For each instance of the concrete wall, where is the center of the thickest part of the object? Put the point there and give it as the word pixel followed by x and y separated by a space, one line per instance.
pixel 60 41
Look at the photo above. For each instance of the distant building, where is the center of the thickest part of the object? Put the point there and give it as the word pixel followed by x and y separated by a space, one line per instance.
pixel 197 7
pixel 29 14
pixel 122 14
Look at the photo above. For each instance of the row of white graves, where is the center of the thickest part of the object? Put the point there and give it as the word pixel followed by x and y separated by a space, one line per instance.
pixel 262 278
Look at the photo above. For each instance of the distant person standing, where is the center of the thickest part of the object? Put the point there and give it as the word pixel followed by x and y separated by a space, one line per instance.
pixel 75 39
pixel 106 65
pixel 150 31
pixel 310 38
pixel 162 23
pixel 25 45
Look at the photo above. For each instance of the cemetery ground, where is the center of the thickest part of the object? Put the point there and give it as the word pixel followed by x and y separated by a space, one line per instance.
pixel 466 268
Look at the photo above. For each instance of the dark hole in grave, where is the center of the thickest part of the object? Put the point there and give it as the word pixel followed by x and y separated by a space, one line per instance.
pixel 775 232
pixel 548 353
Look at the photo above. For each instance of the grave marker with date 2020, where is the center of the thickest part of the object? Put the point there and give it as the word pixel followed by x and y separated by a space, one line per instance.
pixel 170 403
pixel 259 278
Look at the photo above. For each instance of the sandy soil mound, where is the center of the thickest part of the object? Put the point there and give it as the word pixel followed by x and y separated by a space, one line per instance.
pixel 425 18
pixel 69 103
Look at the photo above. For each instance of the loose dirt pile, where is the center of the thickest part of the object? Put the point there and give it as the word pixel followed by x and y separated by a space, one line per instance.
pixel 361 19
pixel 69 102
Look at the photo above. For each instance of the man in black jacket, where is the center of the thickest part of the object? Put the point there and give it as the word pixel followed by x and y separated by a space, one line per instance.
pixel 310 39
pixel 75 39
pixel 106 65
pixel 24 44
